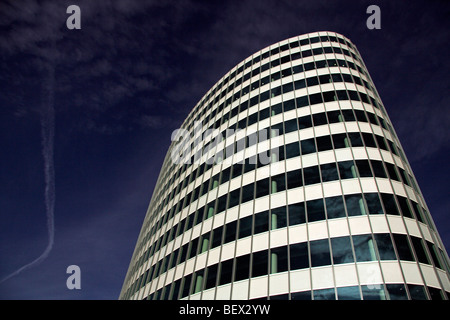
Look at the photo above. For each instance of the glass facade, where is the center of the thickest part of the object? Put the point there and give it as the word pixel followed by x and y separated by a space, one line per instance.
pixel 287 181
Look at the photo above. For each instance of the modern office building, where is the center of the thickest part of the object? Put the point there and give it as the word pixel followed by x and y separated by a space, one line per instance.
pixel 287 181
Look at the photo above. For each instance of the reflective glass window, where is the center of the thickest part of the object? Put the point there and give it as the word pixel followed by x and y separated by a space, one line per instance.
pixel 320 253
pixel 296 213
pixel 342 250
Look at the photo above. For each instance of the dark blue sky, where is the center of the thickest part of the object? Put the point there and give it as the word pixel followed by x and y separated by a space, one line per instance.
pixel 131 75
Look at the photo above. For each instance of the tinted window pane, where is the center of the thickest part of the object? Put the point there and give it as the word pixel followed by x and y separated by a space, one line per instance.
pixel 226 271
pixel 420 250
pixel 403 247
pixel 348 293
pixel 247 192
pixel 389 203
pixel 242 267
pixel 278 183
pixel 320 253
pixel 290 125
pixel 262 188
pixel 324 294
pixel 324 143
pixel 292 150
pixel 308 146
pixel 212 276
pixel 294 179
pixel 340 140
pixel 347 169
pixel 299 256
pixel 245 227
pixel 403 202
pixel 417 292
pixel 217 237
pixel 230 231
pixel 278 259
pixel 363 168
pixel 373 203
pixel 315 210
pixel 335 207
pixel 342 250
pixel 319 119
pixel 262 222
pixel 329 172
pixel 304 122
pixel 378 169
pixel 355 139
pixel 296 213
pixel 364 249
pixel 260 263
pixel 385 247
pixel 373 292
pixel 396 292
pixel 311 175
pixel 355 205
pixel 278 218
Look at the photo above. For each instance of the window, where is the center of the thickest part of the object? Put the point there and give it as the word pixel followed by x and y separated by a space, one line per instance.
pixel 315 98
pixel 262 188
pixel 385 247
pixel 363 168
pixel 373 203
pixel 290 125
pixel 296 213
pixel 304 122
pixel 261 222
pixel 340 140
pixel 378 169
pixel 211 276
pixel 417 292
pixel 320 253
pixel 230 231
pixel 302 101
pixel 292 150
pixel 368 140
pixel 389 203
pixel 242 267
pixel 311 175
pixel 278 259
pixel 299 256
pixel 324 294
pixel 260 263
pixel 392 172
pixel 247 192
pixel 347 169
pixel 420 250
pixel 294 179
pixel 329 172
pixel 396 292
pixel 342 250
pixel 335 207
pixel 364 249
pixel 355 139
pixel 245 227
pixel 348 293
pixel 355 205
pixel 278 218
pixel 403 247
pixel 404 206
pixel 373 292
pixel 226 271
pixel 334 116
pixel 278 183
pixel 324 143
pixel 217 237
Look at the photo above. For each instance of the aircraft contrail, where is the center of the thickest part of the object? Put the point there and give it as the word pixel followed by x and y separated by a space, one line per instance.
pixel 47 141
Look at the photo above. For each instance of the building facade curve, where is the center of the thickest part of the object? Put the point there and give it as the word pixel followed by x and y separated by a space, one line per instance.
pixel 288 181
